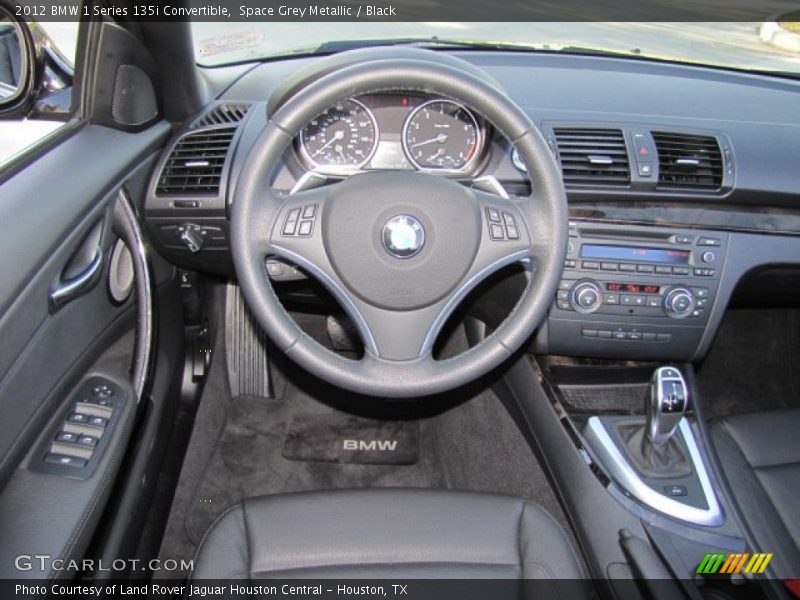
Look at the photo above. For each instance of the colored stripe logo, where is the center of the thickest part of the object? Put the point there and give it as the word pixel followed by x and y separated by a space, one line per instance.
pixel 741 562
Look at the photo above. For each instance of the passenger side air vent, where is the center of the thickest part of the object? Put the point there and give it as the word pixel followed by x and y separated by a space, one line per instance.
pixel 228 113
pixel 688 161
pixel 593 157
pixel 196 163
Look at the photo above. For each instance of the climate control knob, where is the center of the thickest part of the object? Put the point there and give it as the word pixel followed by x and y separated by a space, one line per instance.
pixel 679 303
pixel 586 296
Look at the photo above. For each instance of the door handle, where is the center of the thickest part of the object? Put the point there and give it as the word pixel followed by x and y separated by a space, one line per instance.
pixel 63 292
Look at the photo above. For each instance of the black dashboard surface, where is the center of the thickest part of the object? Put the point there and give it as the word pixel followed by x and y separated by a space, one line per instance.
pixel 753 208
pixel 758 113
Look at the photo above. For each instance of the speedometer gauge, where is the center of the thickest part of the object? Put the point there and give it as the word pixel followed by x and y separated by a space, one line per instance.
pixel 344 136
pixel 441 135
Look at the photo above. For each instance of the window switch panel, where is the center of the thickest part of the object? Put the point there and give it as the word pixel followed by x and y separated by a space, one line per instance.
pixel 83 432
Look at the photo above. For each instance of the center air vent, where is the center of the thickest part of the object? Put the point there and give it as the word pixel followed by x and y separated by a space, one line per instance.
pixel 195 165
pixel 688 161
pixel 593 157
pixel 228 113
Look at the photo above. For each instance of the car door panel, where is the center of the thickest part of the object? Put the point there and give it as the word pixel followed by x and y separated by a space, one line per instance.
pixel 56 217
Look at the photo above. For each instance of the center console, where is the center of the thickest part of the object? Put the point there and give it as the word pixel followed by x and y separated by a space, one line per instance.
pixel 635 292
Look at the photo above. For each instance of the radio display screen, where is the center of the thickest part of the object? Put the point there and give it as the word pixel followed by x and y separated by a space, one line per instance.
pixel 655 255
pixel 633 288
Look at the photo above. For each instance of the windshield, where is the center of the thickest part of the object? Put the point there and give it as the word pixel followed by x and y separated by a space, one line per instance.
pixel 725 44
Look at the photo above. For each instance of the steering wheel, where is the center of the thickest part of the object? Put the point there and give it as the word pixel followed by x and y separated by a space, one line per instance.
pixel 399 250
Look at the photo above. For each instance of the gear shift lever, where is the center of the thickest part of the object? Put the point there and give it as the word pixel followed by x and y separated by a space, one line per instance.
pixel 669 398
pixel 652 446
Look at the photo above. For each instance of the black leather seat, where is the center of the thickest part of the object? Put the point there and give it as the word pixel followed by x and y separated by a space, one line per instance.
pixel 760 455
pixel 379 533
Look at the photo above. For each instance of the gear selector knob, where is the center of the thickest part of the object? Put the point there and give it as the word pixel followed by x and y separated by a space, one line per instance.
pixel 669 399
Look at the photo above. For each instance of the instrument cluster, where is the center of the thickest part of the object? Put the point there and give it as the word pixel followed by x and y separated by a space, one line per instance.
pixel 392 131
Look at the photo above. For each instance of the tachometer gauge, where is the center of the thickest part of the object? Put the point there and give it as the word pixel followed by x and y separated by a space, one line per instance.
pixel 441 135
pixel 343 137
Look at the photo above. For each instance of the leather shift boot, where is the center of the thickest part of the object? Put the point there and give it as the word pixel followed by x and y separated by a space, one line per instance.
pixel 671 461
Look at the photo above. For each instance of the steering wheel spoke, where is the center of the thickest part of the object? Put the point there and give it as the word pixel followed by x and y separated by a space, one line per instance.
pixel 398 336
pixel 505 235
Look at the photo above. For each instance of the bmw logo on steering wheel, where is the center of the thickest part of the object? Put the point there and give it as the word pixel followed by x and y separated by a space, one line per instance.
pixel 403 236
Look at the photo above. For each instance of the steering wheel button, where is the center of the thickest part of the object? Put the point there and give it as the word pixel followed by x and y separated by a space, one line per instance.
pixel 290 227
pixel 305 228
pixel 493 215
pixel 513 234
pixel 309 211
pixel 497 232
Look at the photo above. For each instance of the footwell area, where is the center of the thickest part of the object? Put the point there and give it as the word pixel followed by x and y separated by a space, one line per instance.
pixel 239 449
pixel 753 364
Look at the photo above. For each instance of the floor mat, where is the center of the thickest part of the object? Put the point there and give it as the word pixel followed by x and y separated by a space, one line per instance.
pixel 342 438
pixel 248 461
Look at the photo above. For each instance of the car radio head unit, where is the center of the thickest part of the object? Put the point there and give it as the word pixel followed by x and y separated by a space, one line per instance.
pixel 667 256
pixel 635 284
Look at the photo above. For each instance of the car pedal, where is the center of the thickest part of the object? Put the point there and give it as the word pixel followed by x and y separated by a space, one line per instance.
pixel 245 347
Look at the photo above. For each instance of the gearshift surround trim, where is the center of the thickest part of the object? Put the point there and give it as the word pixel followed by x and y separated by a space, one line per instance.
pixel 623 474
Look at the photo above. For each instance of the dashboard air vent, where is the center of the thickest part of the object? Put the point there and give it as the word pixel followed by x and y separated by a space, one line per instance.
pixel 228 113
pixel 196 163
pixel 593 157
pixel 688 161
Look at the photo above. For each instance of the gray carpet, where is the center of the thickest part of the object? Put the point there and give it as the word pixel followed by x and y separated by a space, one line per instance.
pixel 236 452
pixel 753 364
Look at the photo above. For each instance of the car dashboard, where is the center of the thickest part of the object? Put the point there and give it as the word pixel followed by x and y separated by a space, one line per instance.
pixel 682 182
